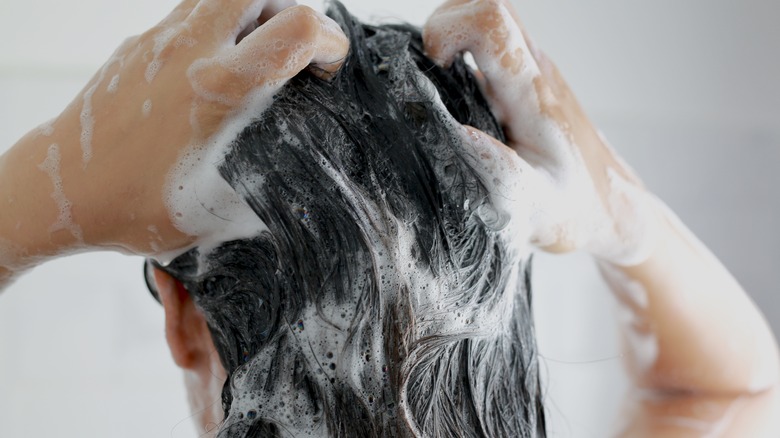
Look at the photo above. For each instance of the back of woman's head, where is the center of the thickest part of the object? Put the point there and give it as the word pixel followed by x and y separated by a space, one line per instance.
pixel 383 299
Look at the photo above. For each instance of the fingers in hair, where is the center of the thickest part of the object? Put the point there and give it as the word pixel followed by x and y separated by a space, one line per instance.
pixel 292 40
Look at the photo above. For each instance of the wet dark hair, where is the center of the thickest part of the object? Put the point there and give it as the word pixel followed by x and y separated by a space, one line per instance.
pixel 384 299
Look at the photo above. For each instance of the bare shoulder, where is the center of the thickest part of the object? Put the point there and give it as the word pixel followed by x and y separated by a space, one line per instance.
pixel 656 415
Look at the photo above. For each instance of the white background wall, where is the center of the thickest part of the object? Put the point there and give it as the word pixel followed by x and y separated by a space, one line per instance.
pixel 686 91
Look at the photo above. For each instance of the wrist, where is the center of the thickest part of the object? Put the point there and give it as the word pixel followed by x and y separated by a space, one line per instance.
pixel 30 188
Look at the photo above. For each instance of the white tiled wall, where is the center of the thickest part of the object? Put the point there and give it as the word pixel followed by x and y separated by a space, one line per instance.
pixel 687 91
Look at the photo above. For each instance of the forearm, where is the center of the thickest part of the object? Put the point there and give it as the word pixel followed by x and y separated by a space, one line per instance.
pixel 34 206
pixel 688 325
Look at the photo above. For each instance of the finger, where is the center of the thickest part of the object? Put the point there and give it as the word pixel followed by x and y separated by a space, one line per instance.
pixel 487 30
pixel 272 8
pixel 438 33
pixel 518 192
pixel 483 27
pixel 529 41
pixel 519 92
pixel 278 50
pixel 233 20
pixel 493 159
pixel 292 40
pixel 456 7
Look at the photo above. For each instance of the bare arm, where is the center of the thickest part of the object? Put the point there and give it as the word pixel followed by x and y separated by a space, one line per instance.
pixel 702 358
pixel 99 176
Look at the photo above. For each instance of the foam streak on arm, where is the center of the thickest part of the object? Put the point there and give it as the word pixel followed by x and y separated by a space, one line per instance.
pixel 702 356
pixel 32 204
pixel 699 315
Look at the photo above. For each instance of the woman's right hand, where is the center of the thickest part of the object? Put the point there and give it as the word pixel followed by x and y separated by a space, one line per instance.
pixel 95 176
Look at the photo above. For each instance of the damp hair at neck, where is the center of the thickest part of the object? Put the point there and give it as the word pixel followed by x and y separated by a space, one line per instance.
pixel 383 300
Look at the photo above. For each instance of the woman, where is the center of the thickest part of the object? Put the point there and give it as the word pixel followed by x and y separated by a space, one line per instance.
pixel 647 256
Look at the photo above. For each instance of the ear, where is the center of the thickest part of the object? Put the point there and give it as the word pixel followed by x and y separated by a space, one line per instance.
pixel 185 326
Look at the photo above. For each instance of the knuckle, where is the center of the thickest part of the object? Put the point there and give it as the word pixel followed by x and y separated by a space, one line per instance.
pixel 208 77
pixel 490 13
pixel 304 15
pixel 307 21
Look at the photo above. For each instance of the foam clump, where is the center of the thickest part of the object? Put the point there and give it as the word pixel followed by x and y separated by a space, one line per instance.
pixel 201 202
pixel 146 109
pixel 161 41
pixel 47 129
pixel 113 85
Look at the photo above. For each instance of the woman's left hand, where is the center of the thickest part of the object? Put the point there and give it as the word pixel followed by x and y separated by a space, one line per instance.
pixel 577 192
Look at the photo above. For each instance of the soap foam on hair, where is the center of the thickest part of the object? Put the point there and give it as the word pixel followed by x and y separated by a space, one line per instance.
pixel 342 343
pixel 201 203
